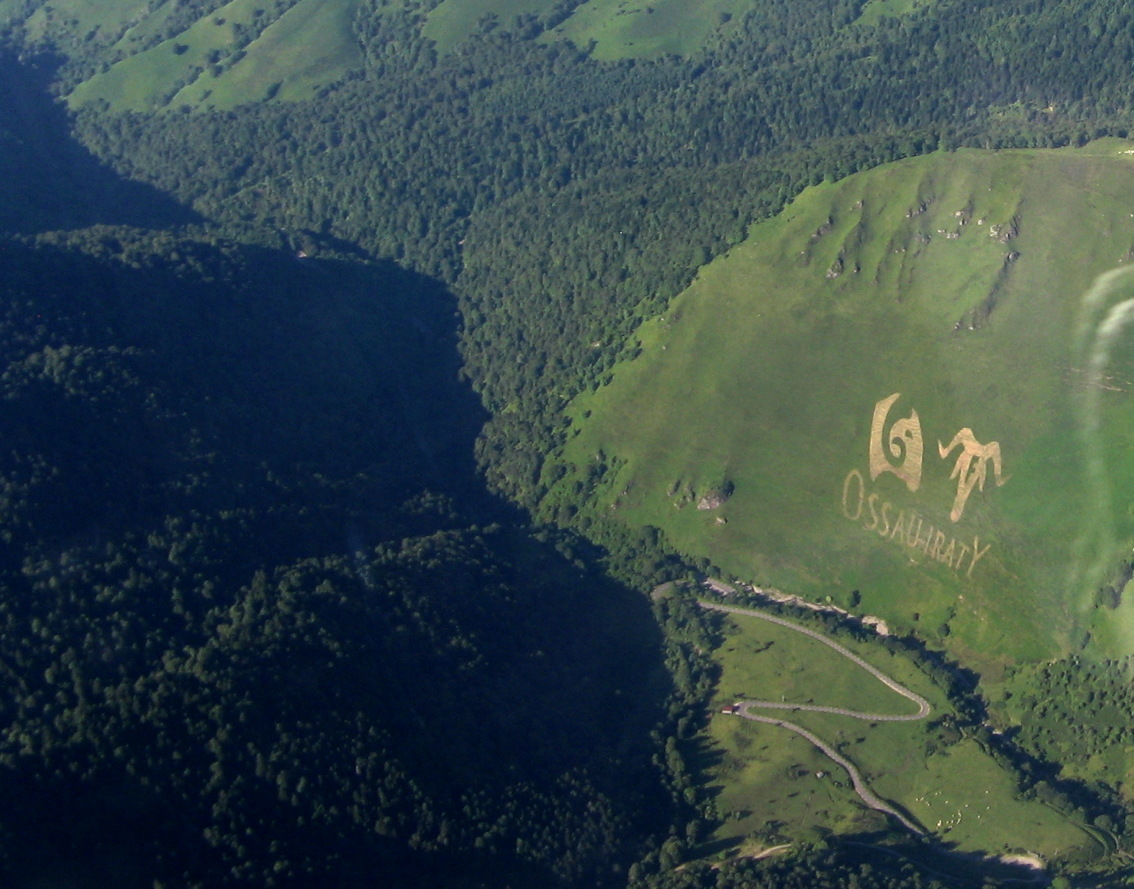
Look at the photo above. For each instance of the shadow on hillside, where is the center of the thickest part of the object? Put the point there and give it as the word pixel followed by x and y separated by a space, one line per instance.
pixel 941 859
pixel 47 180
pixel 207 376
pixel 199 414
pixel 202 413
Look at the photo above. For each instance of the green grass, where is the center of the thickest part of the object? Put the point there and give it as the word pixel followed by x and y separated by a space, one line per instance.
pixel 452 20
pixel 875 10
pixel 632 29
pixel 966 798
pixel 767 371
pixel 769 774
pixel 762 775
pixel 149 79
pixel 308 46
pixel 79 18
pixel 757 648
pixel 312 44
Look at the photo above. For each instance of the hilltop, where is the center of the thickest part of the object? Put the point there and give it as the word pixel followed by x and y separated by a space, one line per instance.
pixel 904 396
pixel 942 293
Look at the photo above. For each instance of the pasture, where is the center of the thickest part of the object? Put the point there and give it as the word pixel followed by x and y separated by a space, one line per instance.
pixel 624 29
pixel 237 54
pixel 771 786
pixel 954 282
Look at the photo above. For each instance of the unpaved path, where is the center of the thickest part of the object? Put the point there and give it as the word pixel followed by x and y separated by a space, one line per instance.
pixel 860 786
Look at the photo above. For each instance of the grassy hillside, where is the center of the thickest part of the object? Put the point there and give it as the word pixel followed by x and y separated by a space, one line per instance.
pixel 771 786
pixel 952 281
pixel 621 29
pixel 238 53
pixel 874 10
pixel 312 44
pixel 452 20
pixel 200 54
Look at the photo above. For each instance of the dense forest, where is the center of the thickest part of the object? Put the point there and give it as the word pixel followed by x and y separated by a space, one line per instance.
pixel 279 387
pixel 246 609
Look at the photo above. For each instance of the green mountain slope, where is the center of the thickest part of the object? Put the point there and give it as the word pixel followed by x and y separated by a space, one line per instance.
pixel 233 56
pixel 950 287
pixel 201 54
pixel 615 29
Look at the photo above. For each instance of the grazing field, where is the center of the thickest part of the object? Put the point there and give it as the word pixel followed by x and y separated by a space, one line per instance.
pixel 624 29
pixel 880 9
pixel 772 786
pixel 320 29
pixel 451 20
pixel 884 390
pixel 235 55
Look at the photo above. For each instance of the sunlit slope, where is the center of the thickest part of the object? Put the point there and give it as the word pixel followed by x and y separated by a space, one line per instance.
pixel 608 29
pixel 242 51
pixel 622 29
pixel 952 282
pixel 450 21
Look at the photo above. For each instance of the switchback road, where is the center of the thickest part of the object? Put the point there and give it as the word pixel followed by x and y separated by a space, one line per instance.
pixel 859 783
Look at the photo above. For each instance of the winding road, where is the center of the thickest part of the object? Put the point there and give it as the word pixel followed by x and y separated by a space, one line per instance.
pixel 860 786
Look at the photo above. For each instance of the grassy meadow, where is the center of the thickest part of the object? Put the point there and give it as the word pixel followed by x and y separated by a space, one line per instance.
pixel 624 29
pixel 80 17
pixel 451 20
pixel 271 65
pixel 955 282
pixel 611 29
pixel 772 786
pixel 875 10
pixel 235 55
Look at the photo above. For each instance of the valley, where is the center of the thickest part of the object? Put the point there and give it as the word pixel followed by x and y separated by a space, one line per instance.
pixel 566 443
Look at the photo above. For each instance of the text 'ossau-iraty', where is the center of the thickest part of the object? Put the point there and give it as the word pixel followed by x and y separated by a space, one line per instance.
pixel 905 526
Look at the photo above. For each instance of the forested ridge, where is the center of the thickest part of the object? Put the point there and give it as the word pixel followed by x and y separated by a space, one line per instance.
pixel 266 624
pixel 246 611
